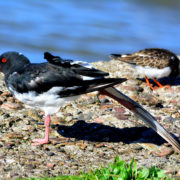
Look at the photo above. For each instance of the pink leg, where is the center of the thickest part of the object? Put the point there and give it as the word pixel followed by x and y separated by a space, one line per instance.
pixel 47 131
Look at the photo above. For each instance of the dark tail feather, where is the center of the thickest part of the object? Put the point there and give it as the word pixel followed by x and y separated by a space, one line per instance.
pixel 142 114
pixel 98 84
pixel 91 85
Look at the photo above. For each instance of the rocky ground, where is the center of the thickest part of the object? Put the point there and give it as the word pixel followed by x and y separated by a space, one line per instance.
pixel 90 132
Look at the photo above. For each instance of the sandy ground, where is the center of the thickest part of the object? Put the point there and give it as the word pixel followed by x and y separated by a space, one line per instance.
pixel 89 132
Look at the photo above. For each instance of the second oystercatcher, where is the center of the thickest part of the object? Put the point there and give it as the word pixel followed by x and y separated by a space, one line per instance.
pixel 48 86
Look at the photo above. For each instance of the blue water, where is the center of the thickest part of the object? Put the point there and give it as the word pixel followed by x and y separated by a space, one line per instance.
pixel 88 30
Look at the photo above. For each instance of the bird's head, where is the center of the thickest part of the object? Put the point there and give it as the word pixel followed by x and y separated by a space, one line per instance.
pixel 12 62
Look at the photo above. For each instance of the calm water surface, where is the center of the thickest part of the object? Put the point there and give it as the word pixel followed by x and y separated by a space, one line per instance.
pixel 88 30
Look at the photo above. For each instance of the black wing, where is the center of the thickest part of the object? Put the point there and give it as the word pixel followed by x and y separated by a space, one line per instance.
pixel 78 66
pixel 42 77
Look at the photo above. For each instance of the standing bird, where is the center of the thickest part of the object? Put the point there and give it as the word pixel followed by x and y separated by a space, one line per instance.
pixel 153 63
pixel 48 86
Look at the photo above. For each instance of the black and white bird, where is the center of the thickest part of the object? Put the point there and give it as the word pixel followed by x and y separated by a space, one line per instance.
pixel 48 86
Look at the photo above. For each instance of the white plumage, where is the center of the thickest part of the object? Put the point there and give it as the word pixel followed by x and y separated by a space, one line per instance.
pixel 153 72
pixel 49 101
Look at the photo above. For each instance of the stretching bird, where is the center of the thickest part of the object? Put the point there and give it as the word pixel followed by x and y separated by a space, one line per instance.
pixel 48 86
pixel 152 63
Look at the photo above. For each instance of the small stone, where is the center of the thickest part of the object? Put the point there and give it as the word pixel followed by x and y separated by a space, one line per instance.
pixel 178 173
pixel 121 116
pixel 106 106
pixel 11 106
pixel 69 118
pixel 81 145
pixel 33 114
pixel 75 167
pixel 58 140
pixel 11 99
pixel 119 110
pixel 90 148
pixel 10 145
pixel 163 152
pixel 99 120
pixel 50 153
pixel 50 165
pixel 133 88
pixel 149 146
pixel 99 145
pixel 1 112
pixel 14 135
pixel 170 170
pixel 7 94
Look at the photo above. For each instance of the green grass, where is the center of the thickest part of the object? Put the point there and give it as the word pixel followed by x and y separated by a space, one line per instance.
pixel 118 170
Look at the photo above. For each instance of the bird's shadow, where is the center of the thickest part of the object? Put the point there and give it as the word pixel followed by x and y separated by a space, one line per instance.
pixel 96 132
pixel 172 81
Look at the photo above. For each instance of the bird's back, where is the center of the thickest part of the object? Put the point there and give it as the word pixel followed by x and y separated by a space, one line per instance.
pixel 152 57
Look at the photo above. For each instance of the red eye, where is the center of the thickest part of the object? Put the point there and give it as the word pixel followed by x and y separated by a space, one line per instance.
pixel 4 60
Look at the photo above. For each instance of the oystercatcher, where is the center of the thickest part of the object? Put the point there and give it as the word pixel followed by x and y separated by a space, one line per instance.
pixel 153 63
pixel 48 86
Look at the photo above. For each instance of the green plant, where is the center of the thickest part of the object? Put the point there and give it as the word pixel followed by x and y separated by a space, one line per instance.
pixel 118 170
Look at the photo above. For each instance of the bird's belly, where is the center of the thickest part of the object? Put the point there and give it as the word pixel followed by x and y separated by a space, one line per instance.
pixel 153 72
pixel 49 103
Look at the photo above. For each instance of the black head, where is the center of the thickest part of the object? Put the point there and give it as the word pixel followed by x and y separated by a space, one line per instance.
pixel 12 61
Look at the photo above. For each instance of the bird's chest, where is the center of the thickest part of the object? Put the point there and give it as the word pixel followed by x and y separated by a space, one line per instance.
pixel 153 72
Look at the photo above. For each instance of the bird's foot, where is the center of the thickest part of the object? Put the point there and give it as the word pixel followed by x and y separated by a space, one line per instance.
pixel 40 141
pixel 162 86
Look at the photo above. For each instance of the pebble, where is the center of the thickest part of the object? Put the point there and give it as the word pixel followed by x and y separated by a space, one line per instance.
pixel 34 114
pixel 50 153
pixel 14 135
pixel 10 145
pixel 11 99
pixel 178 173
pixel 7 94
pixel 11 106
pixel 163 152
pixel 50 165
pixel 99 145
pixel 99 120
pixel 106 106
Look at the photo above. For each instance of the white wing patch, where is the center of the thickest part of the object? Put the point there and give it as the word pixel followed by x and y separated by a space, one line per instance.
pixel 87 78
pixel 87 65
pixel 84 64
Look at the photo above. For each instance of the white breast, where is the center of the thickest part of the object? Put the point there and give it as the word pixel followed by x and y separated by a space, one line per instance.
pixel 49 101
pixel 153 72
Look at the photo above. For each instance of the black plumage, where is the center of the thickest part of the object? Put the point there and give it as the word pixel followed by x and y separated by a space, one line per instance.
pixel 77 67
